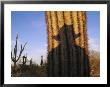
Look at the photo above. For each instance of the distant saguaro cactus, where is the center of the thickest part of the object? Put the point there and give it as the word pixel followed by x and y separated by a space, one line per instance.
pixel 31 62
pixel 14 56
pixel 24 60
pixel 41 63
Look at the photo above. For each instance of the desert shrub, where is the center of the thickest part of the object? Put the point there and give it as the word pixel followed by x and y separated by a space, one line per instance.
pixel 94 63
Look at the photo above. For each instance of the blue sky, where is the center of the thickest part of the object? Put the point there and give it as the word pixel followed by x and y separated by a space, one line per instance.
pixel 93 28
pixel 31 28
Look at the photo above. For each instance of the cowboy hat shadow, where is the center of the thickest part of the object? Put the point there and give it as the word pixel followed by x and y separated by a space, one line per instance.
pixel 67 59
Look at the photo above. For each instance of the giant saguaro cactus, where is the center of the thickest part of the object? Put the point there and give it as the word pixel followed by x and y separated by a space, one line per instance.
pixel 67 43
pixel 14 56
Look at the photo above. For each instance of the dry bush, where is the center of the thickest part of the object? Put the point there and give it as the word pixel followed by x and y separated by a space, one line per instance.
pixel 94 63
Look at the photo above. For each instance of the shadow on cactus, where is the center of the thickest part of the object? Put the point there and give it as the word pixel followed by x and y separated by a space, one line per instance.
pixel 68 59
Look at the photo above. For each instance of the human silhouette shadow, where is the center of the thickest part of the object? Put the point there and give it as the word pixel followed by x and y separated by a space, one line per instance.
pixel 67 59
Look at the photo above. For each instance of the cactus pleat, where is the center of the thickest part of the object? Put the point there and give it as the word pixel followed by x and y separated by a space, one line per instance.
pixel 62 53
pixel 50 44
pixel 55 43
pixel 75 22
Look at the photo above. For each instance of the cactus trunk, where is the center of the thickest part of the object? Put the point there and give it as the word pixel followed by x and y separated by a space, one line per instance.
pixel 67 43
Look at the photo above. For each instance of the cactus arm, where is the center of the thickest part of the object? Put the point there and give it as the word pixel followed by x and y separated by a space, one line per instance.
pixel 16 46
pixel 12 57
pixel 24 46
pixel 21 51
pixel 15 51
